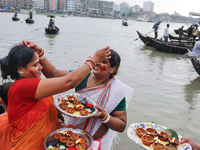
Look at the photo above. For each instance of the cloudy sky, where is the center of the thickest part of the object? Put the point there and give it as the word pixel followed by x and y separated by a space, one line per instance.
pixel 182 7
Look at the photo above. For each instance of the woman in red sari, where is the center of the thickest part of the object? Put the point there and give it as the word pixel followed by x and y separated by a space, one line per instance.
pixel 31 111
pixel 4 125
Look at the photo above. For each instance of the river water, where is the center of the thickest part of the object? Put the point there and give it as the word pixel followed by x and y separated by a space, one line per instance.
pixel 166 87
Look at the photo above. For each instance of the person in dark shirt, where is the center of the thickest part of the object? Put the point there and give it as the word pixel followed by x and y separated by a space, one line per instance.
pixel 190 31
pixel 50 24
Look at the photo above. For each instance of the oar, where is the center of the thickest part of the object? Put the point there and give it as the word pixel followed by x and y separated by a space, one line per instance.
pixel 37 29
pixel 145 35
pixel 185 54
pixel 22 21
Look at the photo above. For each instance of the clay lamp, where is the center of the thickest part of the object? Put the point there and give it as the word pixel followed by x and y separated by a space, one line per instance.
pixel 163 136
pixel 140 131
pixel 78 107
pixel 84 112
pixel 80 140
pixel 57 136
pixel 157 145
pixel 76 101
pixel 152 132
pixel 70 110
pixel 173 144
pixel 80 146
pixel 147 139
pixel 64 139
pixel 74 136
pixel 68 133
pixel 70 143
pixel 71 99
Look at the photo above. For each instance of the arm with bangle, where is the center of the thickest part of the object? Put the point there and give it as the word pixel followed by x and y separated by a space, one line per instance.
pixel 116 121
pixel 50 71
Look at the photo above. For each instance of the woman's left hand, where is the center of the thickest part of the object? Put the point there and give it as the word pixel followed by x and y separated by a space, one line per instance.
pixel 101 113
pixel 32 45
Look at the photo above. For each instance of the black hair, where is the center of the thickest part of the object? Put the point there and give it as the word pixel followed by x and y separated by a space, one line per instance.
pixel 4 91
pixel 18 56
pixel 114 61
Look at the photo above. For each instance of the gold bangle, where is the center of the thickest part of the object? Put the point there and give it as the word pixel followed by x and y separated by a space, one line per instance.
pixel 104 117
pixel 42 51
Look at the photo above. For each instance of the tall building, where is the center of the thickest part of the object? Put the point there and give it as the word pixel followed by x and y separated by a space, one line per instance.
pixel 93 6
pixel 148 6
pixel 26 4
pixel 7 3
pixel 124 8
pixel 52 5
pixel 62 5
pixel 38 4
pixel 106 7
pixel 71 5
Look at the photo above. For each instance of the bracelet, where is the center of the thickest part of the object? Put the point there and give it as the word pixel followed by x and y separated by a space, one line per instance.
pixel 41 53
pixel 60 122
pixel 42 57
pixel 92 62
pixel 107 119
pixel 104 117
pixel 88 65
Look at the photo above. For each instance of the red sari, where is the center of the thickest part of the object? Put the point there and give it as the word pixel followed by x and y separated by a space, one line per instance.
pixel 37 118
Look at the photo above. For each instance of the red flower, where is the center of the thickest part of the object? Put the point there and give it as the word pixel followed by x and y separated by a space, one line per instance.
pixel 72 148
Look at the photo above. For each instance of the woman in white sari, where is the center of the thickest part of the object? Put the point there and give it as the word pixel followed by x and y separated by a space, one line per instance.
pixel 112 97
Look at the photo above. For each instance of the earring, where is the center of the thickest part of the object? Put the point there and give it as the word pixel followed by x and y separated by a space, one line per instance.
pixel 21 74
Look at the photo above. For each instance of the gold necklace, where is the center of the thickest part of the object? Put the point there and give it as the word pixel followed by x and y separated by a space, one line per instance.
pixel 98 83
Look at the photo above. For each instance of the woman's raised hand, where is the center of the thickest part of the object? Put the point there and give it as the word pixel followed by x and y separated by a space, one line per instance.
pixel 101 54
pixel 32 45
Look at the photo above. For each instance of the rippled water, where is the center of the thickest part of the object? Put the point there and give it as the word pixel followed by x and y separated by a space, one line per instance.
pixel 166 88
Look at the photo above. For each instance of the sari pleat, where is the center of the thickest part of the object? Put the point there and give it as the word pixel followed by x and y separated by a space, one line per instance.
pixel 30 131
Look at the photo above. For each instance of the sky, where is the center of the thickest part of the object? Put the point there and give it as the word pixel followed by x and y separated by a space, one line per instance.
pixel 183 7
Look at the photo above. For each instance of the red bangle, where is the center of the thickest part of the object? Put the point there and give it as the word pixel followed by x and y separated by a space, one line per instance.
pixel 92 62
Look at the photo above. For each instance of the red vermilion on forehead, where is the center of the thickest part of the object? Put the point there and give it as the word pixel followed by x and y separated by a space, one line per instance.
pixel 31 72
pixel 103 68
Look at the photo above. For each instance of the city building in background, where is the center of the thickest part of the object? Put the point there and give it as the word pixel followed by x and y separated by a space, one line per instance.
pixel 124 9
pixel 148 6
pixel 38 5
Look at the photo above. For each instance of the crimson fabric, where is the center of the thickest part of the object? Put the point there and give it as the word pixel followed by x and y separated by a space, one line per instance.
pixel 21 97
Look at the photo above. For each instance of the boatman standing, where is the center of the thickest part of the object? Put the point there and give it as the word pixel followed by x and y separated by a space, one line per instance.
pixel 166 34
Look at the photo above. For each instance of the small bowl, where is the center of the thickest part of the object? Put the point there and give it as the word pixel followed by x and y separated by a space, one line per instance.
pixel 147 140
pixel 82 134
pixel 140 132
pixel 171 147
pixel 163 136
pixel 176 142
pixel 158 146
pixel 152 132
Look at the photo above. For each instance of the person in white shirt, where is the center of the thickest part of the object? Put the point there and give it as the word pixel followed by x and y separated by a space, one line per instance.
pixel 166 34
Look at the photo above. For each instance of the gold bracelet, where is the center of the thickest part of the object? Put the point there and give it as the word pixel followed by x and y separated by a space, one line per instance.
pixel 42 52
pixel 104 117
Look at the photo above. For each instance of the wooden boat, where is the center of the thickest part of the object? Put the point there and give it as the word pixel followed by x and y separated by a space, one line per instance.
pixel 196 65
pixel 51 16
pixel 15 19
pixel 29 20
pixel 124 23
pixel 169 48
pixel 185 33
pixel 171 37
pixel 52 31
pixel 144 39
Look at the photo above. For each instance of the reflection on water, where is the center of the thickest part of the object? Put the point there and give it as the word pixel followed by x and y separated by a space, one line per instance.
pixel 191 92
